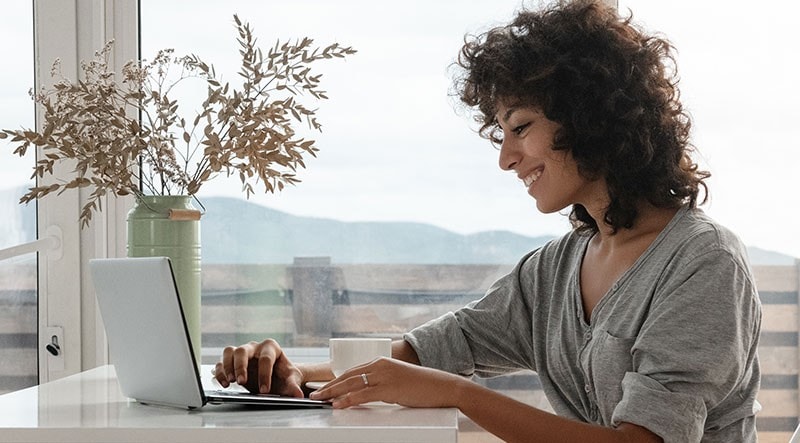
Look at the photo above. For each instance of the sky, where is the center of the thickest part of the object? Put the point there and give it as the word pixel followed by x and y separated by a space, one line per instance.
pixel 397 146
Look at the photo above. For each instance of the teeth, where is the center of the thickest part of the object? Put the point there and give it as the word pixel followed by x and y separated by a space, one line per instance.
pixel 532 177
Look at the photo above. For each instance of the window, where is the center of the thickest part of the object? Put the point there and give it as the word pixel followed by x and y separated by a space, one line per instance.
pixel 378 223
pixel 18 294
pixel 400 170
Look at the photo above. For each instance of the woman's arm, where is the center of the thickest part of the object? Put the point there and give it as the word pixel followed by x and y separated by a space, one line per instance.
pixel 403 351
pixel 410 385
pixel 514 421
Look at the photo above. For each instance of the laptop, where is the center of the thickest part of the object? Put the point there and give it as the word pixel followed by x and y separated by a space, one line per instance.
pixel 149 343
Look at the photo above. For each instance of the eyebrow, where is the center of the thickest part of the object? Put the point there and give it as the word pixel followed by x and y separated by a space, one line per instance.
pixel 509 111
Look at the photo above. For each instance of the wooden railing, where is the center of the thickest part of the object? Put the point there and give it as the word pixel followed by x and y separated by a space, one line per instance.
pixel 306 303
pixel 779 289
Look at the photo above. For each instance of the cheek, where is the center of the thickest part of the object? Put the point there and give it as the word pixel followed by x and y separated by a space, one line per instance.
pixel 560 189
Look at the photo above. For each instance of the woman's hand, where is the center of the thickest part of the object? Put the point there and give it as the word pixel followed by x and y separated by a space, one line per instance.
pixel 260 367
pixel 392 381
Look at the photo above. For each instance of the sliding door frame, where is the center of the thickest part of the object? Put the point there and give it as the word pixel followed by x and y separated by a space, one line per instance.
pixel 72 30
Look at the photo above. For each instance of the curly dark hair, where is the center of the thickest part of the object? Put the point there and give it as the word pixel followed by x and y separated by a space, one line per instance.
pixel 611 87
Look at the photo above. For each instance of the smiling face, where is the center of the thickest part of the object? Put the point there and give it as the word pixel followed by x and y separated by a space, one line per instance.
pixel 551 176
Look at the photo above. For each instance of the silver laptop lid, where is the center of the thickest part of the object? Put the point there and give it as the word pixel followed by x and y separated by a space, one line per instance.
pixel 147 336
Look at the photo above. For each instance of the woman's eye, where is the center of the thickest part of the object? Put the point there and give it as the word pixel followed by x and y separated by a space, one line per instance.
pixel 518 130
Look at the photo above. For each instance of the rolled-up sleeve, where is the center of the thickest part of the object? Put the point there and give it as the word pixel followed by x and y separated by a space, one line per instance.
pixel 683 421
pixel 440 344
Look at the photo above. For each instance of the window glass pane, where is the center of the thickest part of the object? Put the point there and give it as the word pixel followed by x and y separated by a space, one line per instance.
pixel 18 320
pixel 18 323
pixel 738 80
pixel 402 216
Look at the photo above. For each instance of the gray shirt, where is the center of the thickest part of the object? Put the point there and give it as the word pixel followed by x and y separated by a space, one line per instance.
pixel 671 346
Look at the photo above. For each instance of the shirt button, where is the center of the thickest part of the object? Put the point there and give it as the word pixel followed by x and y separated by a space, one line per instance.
pixel 587 388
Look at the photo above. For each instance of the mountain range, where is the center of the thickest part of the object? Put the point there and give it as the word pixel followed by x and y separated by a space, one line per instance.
pixel 236 231
pixel 278 237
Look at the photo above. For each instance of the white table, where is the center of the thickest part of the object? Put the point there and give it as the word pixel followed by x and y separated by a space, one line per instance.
pixel 88 407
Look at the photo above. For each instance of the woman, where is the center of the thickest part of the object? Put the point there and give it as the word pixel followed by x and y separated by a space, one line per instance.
pixel 643 321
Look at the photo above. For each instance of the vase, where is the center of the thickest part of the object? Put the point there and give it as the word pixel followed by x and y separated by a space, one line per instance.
pixel 169 226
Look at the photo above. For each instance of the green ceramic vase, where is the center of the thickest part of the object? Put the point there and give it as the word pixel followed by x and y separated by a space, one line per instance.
pixel 153 232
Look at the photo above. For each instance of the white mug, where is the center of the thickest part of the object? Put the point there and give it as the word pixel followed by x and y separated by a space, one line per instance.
pixel 349 352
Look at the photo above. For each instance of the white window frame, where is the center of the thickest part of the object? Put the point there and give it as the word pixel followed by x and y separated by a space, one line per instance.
pixel 72 30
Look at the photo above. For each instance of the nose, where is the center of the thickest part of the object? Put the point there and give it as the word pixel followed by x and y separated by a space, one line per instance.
pixel 509 155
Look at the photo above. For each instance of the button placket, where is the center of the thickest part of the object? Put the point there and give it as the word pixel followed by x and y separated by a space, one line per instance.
pixel 587 387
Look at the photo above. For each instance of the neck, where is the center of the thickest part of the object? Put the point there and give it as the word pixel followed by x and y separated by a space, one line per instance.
pixel 649 221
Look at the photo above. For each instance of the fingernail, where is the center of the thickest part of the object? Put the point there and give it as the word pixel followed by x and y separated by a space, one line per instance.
pixel 240 379
pixel 263 389
pixel 314 394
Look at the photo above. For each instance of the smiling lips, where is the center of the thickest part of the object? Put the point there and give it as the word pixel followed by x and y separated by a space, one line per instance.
pixel 532 177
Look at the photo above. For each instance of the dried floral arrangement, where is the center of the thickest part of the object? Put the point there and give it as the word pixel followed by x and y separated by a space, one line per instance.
pixel 95 123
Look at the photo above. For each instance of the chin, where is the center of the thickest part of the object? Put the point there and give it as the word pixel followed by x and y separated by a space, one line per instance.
pixel 546 208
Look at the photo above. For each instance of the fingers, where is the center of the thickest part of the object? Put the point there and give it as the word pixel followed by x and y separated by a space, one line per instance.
pixel 390 381
pixel 358 385
pixel 259 367
pixel 223 371
pixel 354 399
pixel 220 375
pixel 290 376
pixel 350 389
pixel 249 365
pixel 266 362
pixel 241 356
